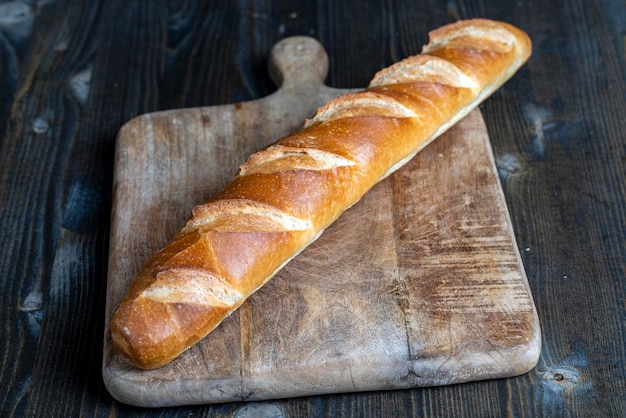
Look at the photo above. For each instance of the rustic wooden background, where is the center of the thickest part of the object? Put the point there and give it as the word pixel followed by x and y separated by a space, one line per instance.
pixel 72 72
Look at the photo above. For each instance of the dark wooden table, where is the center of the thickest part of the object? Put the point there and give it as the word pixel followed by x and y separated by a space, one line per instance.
pixel 72 72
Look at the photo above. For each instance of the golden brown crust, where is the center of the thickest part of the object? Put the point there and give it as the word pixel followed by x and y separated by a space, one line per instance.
pixel 285 195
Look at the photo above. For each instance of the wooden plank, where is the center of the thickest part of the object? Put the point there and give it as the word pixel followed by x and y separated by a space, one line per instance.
pixel 419 284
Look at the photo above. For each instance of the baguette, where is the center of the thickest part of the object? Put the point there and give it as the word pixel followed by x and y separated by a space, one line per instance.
pixel 285 195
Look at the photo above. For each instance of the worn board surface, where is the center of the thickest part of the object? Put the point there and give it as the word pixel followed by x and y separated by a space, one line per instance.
pixel 418 284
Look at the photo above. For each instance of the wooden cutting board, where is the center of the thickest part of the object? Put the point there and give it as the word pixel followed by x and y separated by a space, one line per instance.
pixel 418 284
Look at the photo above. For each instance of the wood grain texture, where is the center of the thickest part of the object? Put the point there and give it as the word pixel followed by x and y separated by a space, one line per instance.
pixel 556 130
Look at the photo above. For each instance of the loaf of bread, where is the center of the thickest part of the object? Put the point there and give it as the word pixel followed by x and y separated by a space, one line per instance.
pixel 285 195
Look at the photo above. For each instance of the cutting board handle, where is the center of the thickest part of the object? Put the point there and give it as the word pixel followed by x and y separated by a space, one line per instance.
pixel 298 60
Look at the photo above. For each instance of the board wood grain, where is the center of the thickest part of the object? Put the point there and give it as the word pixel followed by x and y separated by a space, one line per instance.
pixel 419 284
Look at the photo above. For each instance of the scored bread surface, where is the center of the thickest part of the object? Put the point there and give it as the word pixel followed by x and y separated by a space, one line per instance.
pixel 285 195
